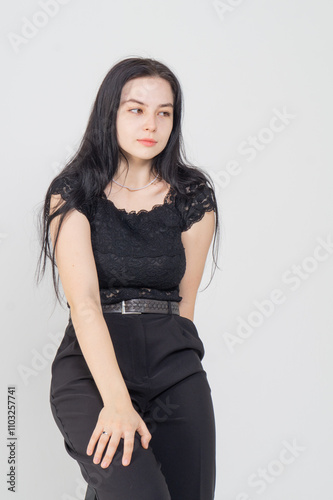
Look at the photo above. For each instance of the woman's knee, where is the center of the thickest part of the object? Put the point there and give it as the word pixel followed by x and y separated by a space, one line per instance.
pixel 142 479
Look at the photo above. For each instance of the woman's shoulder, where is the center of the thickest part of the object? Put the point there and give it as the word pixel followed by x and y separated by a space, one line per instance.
pixel 68 187
pixel 198 199
pixel 63 185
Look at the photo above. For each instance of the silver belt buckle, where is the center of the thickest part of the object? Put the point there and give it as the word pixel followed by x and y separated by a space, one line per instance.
pixel 123 311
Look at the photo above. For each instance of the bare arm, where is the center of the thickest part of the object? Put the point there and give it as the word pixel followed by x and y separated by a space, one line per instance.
pixel 196 241
pixel 77 270
pixel 78 274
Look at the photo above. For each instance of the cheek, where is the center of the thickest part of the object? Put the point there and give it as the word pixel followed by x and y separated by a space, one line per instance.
pixel 123 128
pixel 170 126
pixel 168 133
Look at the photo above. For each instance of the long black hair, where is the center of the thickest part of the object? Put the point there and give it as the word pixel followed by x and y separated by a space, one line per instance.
pixel 94 164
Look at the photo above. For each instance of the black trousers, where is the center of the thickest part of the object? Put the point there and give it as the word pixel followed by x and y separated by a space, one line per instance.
pixel 160 357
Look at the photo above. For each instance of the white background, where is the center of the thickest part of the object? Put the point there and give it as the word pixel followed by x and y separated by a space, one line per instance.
pixel 240 66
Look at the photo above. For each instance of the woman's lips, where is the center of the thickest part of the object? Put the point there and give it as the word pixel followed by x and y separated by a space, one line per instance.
pixel 147 142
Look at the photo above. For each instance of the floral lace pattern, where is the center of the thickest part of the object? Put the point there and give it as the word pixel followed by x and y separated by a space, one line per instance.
pixel 167 199
pixel 199 202
pixel 140 254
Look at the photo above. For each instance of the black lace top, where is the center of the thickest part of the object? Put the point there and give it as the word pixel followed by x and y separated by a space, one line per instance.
pixel 140 254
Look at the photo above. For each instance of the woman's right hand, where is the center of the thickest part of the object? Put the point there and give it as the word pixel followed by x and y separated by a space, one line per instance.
pixel 118 422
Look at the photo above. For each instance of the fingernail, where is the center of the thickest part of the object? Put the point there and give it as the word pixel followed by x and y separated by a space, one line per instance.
pixel 126 461
pixel 104 464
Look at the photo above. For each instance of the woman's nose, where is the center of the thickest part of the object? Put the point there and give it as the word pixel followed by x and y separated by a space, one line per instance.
pixel 150 122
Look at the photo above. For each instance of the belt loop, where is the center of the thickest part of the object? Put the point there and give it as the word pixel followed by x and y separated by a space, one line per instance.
pixel 169 307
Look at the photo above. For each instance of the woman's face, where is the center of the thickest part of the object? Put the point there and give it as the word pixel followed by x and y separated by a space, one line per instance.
pixel 145 112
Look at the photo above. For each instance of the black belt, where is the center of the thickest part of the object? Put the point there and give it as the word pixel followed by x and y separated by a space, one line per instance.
pixel 138 306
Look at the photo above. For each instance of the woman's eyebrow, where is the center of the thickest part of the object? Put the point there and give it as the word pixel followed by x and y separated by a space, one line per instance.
pixel 143 104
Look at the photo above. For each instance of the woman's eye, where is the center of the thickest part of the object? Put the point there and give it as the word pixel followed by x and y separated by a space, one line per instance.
pixel 139 109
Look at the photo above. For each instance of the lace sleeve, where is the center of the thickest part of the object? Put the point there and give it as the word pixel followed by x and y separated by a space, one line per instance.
pixel 65 189
pixel 199 203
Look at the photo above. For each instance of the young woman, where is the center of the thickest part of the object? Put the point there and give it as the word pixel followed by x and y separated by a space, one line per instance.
pixel 131 224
